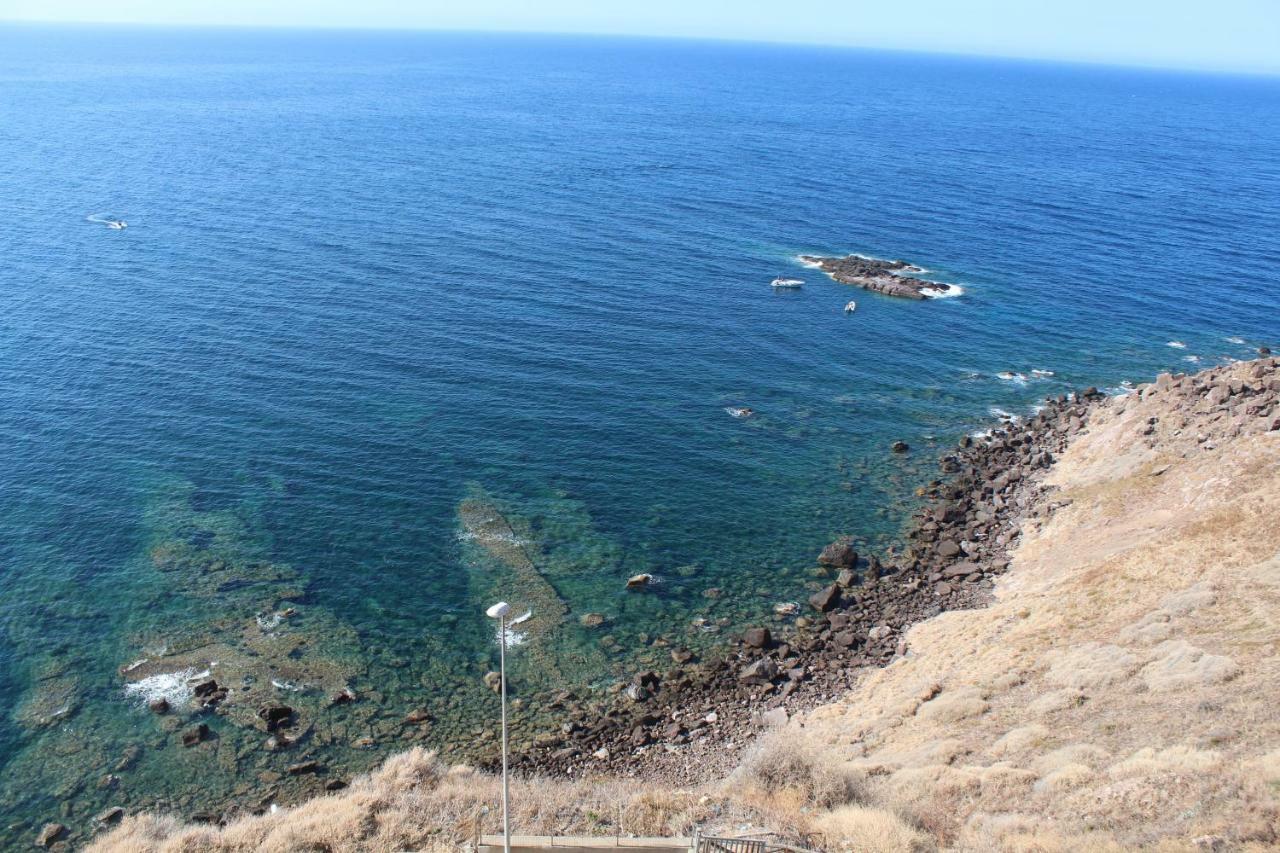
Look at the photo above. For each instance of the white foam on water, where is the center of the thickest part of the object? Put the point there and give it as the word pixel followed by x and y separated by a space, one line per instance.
pixel 1234 339
pixel 1191 358
pixel 1010 376
pixel 1042 374
pixel 813 265
pixel 514 638
pixel 997 412
pixel 951 291
pixel 173 687
pixel 506 538
pixel 286 685
pixel 1176 344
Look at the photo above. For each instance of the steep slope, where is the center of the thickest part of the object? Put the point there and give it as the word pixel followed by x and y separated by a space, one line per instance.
pixel 1122 688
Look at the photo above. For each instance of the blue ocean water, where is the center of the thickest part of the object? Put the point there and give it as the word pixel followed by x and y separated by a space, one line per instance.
pixel 372 281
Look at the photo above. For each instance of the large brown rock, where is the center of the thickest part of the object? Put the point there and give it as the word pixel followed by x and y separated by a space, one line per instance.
pixel 763 671
pixel 275 716
pixel 948 548
pixel 194 735
pixel 839 554
pixel 757 638
pixel 49 834
pixel 826 598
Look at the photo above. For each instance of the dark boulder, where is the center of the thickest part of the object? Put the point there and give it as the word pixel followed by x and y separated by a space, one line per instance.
pixel 49 834
pixel 757 638
pixel 763 671
pixel 205 688
pixel 901 447
pixel 826 598
pixel 194 735
pixel 275 716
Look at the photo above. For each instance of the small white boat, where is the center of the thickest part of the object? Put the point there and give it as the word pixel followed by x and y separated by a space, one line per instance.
pixel 786 282
pixel 851 307
pixel 117 224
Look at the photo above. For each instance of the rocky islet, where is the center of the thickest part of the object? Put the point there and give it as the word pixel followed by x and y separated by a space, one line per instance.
pixel 879 276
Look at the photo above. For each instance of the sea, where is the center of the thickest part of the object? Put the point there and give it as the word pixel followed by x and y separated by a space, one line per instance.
pixel 399 325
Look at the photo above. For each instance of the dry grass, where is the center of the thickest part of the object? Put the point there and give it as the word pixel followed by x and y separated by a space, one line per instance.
pixel 415 802
pixel 1119 694
pixel 870 830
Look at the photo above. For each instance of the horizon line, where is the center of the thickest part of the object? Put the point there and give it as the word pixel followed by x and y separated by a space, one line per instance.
pixel 1133 65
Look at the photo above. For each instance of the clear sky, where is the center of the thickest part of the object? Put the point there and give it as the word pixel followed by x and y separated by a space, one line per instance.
pixel 1241 35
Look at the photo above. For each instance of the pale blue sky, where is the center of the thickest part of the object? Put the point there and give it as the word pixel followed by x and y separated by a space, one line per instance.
pixel 1214 34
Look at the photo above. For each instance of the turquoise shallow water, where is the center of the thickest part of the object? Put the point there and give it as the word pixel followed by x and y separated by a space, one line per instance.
pixel 404 323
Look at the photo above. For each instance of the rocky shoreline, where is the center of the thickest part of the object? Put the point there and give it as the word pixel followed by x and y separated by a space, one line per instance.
pixel 687 723
pixel 877 275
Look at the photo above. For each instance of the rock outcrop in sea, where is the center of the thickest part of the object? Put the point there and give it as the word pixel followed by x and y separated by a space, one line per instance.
pixel 877 275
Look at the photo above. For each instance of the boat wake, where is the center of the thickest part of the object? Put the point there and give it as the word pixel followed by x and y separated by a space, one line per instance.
pixel 111 222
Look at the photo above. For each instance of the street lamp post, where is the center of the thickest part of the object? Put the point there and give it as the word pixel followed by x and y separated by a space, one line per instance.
pixel 499 611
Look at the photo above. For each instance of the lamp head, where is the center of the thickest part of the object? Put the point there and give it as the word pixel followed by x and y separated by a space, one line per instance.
pixel 498 610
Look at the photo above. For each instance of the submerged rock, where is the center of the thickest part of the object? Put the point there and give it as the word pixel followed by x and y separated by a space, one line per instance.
pixel 839 554
pixel 195 735
pixel 275 716
pixel 640 580
pixel 592 620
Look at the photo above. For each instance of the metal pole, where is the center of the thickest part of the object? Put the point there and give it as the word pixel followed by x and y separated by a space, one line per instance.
pixel 502 671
